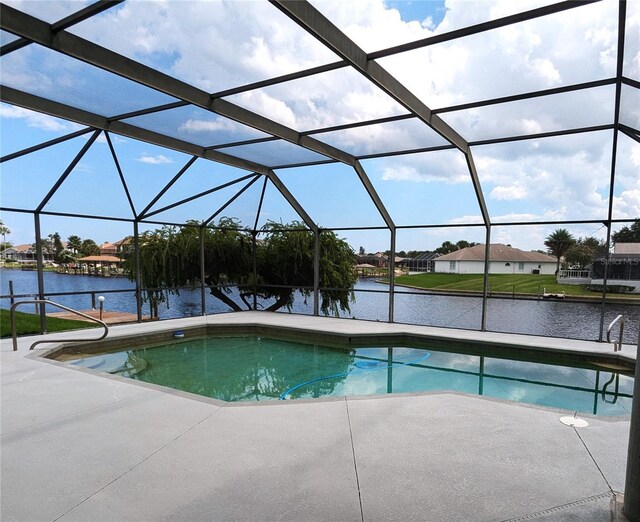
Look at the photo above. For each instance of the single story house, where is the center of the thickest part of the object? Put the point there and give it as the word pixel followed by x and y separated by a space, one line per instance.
pixel 503 259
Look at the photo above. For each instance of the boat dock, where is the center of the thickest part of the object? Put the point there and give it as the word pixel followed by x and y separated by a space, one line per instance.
pixel 107 317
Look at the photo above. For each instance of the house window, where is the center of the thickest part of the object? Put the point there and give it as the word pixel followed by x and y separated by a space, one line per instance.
pixel 507 264
pixel 452 265
pixel 520 265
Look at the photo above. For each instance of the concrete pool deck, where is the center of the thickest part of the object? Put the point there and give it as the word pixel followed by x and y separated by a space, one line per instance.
pixel 76 445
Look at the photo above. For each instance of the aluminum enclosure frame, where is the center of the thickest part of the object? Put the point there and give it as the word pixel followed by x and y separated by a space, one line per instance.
pixel 55 37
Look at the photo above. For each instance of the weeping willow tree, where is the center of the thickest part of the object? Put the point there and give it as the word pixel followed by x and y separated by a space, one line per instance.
pixel 284 261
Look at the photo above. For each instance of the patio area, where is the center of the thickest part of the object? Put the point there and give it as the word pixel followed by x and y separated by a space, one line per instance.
pixel 81 446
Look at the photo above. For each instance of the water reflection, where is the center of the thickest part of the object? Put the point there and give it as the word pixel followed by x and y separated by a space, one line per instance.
pixel 536 317
pixel 255 369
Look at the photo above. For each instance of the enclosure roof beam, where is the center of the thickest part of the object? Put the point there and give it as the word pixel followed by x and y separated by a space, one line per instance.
pixel 71 20
pixel 231 200
pixel 46 144
pixel 409 116
pixel 481 27
pixel 315 23
pixel 27 26
pixel 277 182
pixel 199 195
pixel 368 186
pixel 59 110
pixel 164 189
pixel 68 170
pixel 419 44
pixel 632 133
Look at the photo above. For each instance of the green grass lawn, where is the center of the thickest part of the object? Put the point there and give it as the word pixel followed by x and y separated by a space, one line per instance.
pixel 528 284
pixel 30 324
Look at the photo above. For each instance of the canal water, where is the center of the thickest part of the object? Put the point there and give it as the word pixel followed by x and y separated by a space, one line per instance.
pixel 537 317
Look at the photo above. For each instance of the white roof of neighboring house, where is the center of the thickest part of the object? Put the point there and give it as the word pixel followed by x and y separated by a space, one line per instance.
pixel 626 248
pixel 497 252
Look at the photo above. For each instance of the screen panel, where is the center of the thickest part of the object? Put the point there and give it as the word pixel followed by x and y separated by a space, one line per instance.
pixel 323 100
pixel 548 179
pixel 196 125
pixel 252 40
pixel 383 137
pixel 333 195
pixel 418 189
pixel 572 110
pixel 573 46
pixel 93 187
pixel 46 73
pixel 27 180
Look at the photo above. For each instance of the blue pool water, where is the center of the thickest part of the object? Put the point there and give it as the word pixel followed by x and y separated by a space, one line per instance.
pixel 258 369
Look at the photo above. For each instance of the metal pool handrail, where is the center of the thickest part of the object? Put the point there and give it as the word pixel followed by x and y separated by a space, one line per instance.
pixel 47 301
pixel 616 346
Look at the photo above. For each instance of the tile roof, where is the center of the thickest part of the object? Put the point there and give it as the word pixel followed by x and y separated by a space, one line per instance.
pixel 497 252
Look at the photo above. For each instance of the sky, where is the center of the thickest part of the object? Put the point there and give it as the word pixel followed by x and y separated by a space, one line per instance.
pixel 219 45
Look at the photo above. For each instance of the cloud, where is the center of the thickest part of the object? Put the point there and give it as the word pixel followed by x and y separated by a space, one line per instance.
pixel 222 125
pixel 509 193
pixel 447 166
pixel 220 45
pixel 158 159
pixel 37 120
pixel 627 204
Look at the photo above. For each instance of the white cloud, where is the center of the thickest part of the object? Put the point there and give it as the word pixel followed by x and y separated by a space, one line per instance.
pixel 37 120
pixel 158 159
pixel 627 204
pixel 509 193
pixel 401 173
pixel 195 125
pixel 447 166
pixel 220 45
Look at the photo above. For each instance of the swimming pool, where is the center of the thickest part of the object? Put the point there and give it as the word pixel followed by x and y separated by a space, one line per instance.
pixel 257 368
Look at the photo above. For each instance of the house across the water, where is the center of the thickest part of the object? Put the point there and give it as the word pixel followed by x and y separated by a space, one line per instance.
pixel 624 267
pixel 25 254
pixel 503 259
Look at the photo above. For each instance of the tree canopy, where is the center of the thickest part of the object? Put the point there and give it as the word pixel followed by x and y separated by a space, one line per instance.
pixel 89 248
pixel 447 247
pixel 584 251
pixel 4 230
pixel 628 234
pixel 284 264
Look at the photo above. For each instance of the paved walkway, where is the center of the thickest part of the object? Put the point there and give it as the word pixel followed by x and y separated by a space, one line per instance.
pixel 80 446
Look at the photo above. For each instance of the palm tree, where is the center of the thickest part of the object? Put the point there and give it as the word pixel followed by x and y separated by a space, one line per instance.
pixel 74 243
pixel 4 230
pixel 558 243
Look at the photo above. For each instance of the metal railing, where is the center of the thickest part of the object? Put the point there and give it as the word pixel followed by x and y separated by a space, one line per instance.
pixel 616 346
pixel 47 302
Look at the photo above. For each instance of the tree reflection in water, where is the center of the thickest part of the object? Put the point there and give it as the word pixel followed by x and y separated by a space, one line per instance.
pixel 244 368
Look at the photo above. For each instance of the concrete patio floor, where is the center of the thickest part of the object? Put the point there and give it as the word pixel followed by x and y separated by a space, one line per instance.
pixel 76 445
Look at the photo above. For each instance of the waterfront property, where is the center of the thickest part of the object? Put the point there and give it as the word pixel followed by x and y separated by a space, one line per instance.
pixel 622 269
pixel 503 259
pixel 24 254
pixel 425 262
pixel 249 146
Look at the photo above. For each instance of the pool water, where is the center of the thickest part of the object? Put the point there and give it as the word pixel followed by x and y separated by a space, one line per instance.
pixel 259 369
